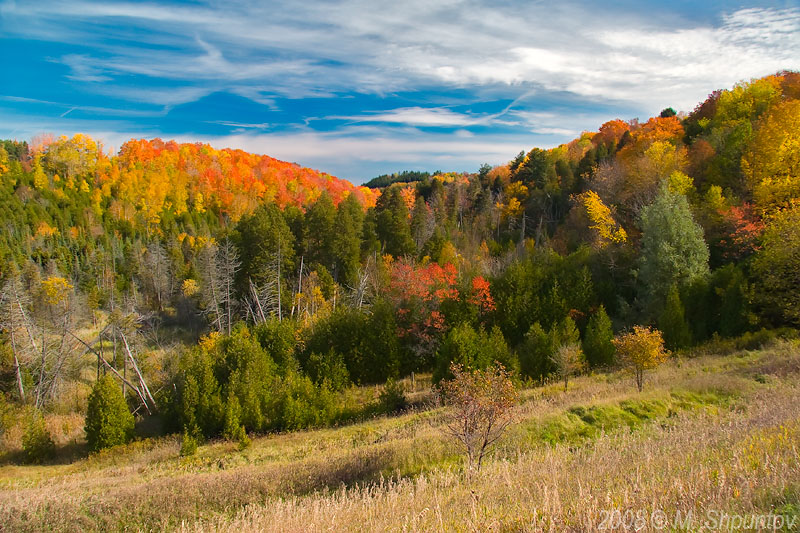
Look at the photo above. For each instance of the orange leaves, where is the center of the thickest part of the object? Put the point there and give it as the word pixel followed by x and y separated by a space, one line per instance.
pixel 481 295
pixel 167 175
pixel 428 283
pixel 611 132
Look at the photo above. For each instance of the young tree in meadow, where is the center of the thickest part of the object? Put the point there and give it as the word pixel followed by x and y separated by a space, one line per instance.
pixel 480 408
pixel 568 360
pixel 640 350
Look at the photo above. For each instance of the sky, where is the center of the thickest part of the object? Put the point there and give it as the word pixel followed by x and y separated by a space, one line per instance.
pixel 368 87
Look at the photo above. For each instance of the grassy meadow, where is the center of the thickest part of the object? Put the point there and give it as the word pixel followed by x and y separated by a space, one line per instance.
pixel 710 432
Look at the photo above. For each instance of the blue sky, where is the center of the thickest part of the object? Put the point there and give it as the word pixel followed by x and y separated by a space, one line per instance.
pixel 361 88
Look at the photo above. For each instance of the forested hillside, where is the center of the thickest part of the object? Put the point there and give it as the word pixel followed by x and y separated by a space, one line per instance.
pixel 297 284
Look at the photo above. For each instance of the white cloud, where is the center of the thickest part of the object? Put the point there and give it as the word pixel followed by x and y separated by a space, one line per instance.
pixel 420 116
pixel 387 46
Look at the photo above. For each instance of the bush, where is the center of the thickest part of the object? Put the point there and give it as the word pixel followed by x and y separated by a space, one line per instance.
pixel 481 407
pixel 392 398
pixel 641 349
pixel 108 420
pixel 37 443
pixel 188 444
pixel 473 350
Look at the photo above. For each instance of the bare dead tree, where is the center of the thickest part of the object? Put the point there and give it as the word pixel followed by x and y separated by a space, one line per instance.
pixel 14 318
pixel 228 261
pixel 156 275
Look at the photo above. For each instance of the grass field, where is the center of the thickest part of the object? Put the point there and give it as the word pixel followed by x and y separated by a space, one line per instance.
pixel 709 435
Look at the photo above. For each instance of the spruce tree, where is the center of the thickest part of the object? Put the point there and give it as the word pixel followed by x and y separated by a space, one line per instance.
pixel 597 342
pixel 672 322
pixel 108 420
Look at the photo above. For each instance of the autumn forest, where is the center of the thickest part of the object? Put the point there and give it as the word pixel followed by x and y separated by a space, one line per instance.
pixel 220 296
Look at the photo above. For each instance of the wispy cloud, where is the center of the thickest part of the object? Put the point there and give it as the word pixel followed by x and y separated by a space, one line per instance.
pixel 520 68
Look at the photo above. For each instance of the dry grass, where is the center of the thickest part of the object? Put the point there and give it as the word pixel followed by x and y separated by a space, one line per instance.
pixel 734 448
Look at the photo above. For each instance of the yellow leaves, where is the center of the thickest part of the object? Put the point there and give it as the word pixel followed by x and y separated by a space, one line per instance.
pixel 771 163
pixel 209 342
pixel 45 230
pixel 55 290
pixel 190 287
pixel 199 203
pixel 714 199
pixel 642 348
pixel 680 183
pixel 449 254
pixel 3 160
pixel 607 230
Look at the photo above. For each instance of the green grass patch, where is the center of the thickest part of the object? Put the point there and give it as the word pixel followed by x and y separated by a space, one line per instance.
pixel 580 422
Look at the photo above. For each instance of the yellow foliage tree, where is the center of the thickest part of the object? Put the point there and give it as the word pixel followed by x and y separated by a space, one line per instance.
pixel 607 230
pixel 772 161
pixel 55 290
pixel 640 350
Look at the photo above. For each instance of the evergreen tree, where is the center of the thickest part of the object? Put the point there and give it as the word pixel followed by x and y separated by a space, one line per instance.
pixel 348 229
pixel 597 343
pixel 392 225
pixel 672 322
pixel 108 420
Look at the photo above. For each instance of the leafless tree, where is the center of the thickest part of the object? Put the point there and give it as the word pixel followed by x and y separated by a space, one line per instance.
pixel 15 319
pixel 155 275
pixel 218 266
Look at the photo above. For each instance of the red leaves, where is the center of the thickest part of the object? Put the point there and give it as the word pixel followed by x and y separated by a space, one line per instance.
pixel 481 295
pixel 745 229
pixel 428 283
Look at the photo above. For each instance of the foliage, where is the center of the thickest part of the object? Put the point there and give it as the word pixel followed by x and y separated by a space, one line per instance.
pixel 673 249
pixel 480 410
pixel 777 267
pixel 597 341
pixel 108 420
pixel 607 230
pixel 188 444
pixel 37 443
pixel 641 349
pixel 392 398
pixel 472 350
pixel 568 360
pixel 672 322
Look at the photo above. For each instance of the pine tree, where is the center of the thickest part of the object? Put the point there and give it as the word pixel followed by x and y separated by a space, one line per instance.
pixel 108 420
pixel 597 343
pixel 672 322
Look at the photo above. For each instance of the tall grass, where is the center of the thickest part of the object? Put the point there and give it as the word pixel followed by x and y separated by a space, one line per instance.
pixel 708 433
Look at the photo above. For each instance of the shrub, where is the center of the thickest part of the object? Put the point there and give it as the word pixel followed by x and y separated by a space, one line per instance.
pixel 188 444
pixel 568 360
pixel 108 420
pixel 37 443
pixel 473 350
pixel 641 349
pixel 392 398
pixel 481 408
